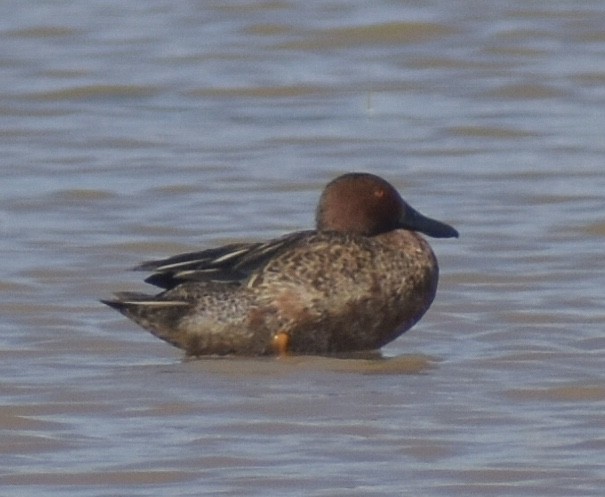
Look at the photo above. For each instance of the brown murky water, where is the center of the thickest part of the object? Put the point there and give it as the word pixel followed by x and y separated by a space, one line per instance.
pixel 141 130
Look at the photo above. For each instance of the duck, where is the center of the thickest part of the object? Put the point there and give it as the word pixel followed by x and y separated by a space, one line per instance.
pixel 356 282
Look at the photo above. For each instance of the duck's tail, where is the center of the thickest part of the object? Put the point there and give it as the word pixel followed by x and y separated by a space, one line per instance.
pixel 160 317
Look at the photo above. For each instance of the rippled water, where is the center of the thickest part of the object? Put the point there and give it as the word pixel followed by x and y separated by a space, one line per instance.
pixel 138 130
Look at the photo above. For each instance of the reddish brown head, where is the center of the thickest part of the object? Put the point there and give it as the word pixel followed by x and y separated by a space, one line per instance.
pixel 368 205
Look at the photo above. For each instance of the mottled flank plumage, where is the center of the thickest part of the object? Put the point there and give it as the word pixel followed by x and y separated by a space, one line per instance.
pixel 359 281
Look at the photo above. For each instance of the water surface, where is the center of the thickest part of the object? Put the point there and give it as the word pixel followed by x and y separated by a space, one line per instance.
pixel 137 131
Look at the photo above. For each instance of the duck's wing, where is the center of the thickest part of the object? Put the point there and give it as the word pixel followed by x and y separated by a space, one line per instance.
pixel 231 263
pixel 216 264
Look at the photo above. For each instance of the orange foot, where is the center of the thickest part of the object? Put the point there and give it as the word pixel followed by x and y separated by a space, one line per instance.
pixel 280 343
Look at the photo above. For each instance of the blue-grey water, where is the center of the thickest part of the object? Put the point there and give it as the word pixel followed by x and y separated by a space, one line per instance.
pixel 134 130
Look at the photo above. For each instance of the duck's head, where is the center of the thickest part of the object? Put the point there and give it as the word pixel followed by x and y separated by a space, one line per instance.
pixel 368 205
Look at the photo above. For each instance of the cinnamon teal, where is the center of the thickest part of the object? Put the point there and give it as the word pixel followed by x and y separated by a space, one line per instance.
pixel 358 281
